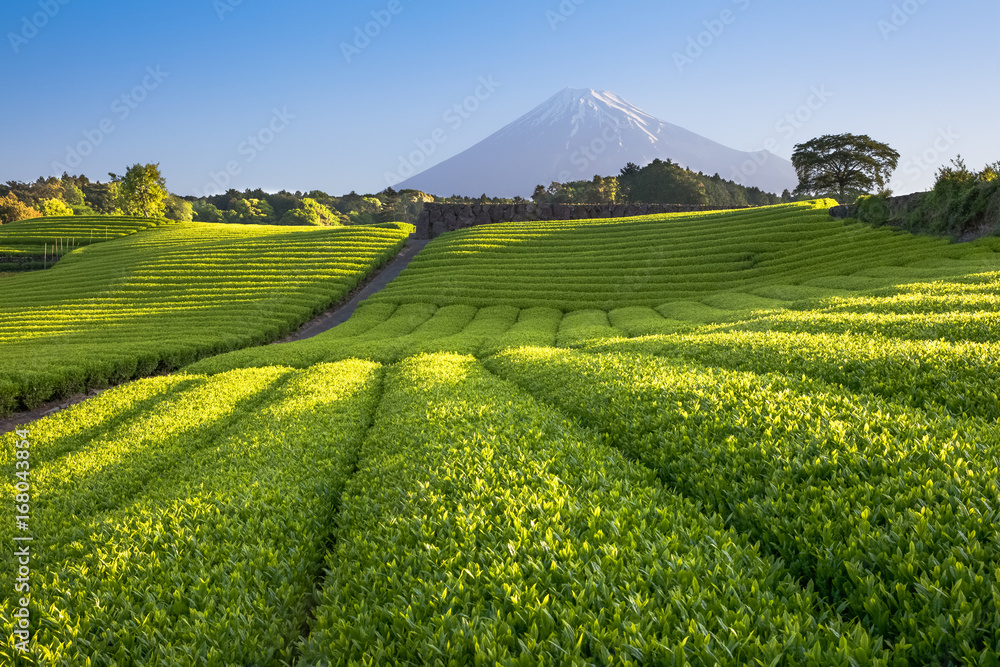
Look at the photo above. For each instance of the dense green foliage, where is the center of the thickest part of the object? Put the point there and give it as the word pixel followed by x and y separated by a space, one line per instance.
pixel 175 208
pixel 310 208
pixel 54 208
pixel 142 191
pixel 662 183
pixel 600 190
pixel 85 197
pixel 963 204
pixel 13 209
pixel 160 299
pixel 310 212
pixel 752 438
pixel 145 500
pixel 79 192
pixel 658 182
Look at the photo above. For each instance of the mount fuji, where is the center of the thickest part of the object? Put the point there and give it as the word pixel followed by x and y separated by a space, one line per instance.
pixel 579 133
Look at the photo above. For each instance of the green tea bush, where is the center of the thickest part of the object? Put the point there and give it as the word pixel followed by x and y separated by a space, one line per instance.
pixel 194 532
pixel 482 528
pixel 886 510
pixel 164 296
pixel 759 437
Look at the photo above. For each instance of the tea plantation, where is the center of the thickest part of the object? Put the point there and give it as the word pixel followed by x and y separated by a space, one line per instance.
pixel 759 437
pixel 40 242
pixel 160 298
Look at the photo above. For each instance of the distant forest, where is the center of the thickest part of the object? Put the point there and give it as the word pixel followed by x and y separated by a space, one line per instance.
pixel 78 195
pixel 657 183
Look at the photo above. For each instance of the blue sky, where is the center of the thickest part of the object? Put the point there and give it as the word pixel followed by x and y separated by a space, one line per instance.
pixel 249 93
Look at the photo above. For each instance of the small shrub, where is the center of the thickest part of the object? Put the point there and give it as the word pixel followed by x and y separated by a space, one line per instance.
pixel 874 209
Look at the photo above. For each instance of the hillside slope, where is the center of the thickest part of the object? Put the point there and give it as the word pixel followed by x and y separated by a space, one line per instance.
pixel 654 260
pixel 776 445
pixel 568 283
pixel 160 298
pixel 38 243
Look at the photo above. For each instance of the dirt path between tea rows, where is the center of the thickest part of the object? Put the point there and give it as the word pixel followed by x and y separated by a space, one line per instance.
pixel 343 311
pixel 336 315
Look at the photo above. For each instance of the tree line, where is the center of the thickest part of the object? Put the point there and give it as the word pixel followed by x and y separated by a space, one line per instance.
pixel 142 191
pixel 844 167
pixel 659 182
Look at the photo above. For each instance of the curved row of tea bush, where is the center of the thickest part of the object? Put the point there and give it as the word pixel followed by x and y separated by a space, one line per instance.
pixel 889 511
pixel 482 528
pixel 650 261
pixel 162 298
pixel 38 243
pixel 194 531
pixel 952 317
pixel 75 231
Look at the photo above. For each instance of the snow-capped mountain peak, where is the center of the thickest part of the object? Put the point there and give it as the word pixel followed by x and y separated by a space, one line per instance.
pixel 580 107
pixel 578 133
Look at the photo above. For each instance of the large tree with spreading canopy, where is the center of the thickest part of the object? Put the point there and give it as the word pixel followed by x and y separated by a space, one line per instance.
pixel 843 164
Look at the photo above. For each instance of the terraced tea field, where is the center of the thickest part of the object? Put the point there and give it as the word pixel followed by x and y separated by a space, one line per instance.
pixel 38 243
pixel 161 298
pixel 730 261
pixel 74 230
pixel 760 437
